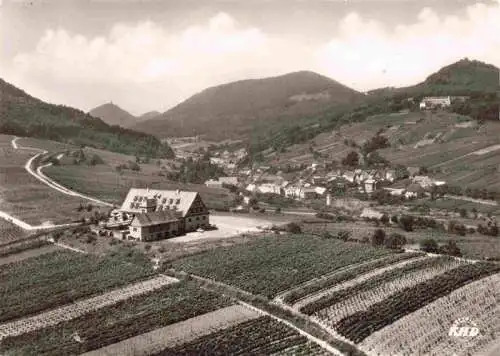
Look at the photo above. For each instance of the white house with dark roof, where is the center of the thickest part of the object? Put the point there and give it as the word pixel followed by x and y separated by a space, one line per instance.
pixel 188 207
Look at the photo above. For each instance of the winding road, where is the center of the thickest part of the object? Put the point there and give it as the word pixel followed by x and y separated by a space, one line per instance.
pixel 38 174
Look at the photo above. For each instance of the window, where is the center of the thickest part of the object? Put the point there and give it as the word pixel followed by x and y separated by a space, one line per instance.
pixel 135 229
pixel 170 201
pixel 204 217
pixel 189 220
pixel 197 218
pixel 178 201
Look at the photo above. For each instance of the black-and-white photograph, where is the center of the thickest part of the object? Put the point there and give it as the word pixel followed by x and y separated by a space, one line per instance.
pixel 249 177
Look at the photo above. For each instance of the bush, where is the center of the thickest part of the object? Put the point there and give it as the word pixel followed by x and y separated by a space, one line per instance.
pixel 429 245
pixel 378 237
pixel 293 228
pixel 457 228
pixel 95 160
pixel 351 160
pixel 343 235
pixel 406 222
pixel 395 241
pixel 451 248
pixel 90 239
pixel 385 219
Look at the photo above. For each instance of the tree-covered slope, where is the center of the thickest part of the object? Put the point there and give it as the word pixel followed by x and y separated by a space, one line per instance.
pixel 23 115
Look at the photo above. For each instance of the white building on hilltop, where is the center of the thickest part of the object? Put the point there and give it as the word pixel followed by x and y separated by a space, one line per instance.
pixel 432 102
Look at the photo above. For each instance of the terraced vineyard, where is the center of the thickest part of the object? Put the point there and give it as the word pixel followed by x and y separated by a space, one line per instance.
pixel 346 302
pixel 360 325
pixel 274 264
pixel 336 279
pixel 381 285
pixel 426 331
pixel 54 279
pixel 114 323
pixel 81 307
pixel 262 336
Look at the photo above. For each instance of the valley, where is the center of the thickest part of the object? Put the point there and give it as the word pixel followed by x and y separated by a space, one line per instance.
pixel 359 234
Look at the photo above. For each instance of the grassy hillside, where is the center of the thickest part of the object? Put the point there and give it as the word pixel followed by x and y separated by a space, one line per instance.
pixel 237 109
pixel 455 148
pixel 24 115
pixel 475 79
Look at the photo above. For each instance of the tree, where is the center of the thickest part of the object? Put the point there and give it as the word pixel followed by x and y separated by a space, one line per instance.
pixel 401 172
pixel 385 219
pixel 378 237
pixel 406 222
pixel 429 245
pixel 395 241
pixel 451 248
pixel 351 160
pixel 293 228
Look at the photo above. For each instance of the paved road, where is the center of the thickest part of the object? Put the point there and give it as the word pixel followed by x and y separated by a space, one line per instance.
pixel 38 174
pixel 44 179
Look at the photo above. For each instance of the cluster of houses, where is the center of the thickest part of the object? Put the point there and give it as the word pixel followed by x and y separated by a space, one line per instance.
pixel 312 184
pixel 151 214
pixel 228 160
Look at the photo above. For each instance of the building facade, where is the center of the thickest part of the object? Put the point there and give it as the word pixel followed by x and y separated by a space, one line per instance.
pixel 158 214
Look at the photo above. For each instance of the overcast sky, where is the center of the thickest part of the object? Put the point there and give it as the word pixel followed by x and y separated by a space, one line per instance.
pixel 151 54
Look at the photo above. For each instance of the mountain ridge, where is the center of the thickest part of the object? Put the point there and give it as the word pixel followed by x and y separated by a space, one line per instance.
pixel 232 109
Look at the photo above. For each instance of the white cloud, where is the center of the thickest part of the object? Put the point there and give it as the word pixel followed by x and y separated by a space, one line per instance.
pixel 144 66
pixel 366 55
pixel 145 57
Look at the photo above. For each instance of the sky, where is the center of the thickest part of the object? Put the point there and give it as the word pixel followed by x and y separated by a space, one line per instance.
pixel 148 55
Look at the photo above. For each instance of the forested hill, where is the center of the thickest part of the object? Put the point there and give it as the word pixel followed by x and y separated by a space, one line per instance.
pixel 235 110
pixel 23 115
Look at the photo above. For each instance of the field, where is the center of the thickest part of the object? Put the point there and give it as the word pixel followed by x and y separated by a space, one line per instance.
pixel 117 322
pixel 273 264
pixel 323 284
pixel 474 246
pixel 10 232
pixel 342 302
pixel 179 333
pixel 57 278
pixel 73 310
pixel 426 330
pixel 262 336
pixel 457 204
pixel 47 145
pixel 360 325
pixel 26 198
pixel 104 182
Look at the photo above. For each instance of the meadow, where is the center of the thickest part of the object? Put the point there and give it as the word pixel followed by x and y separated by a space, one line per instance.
pixel 25 197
